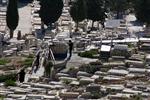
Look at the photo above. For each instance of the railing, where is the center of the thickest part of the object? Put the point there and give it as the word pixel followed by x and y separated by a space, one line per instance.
pixel 52 56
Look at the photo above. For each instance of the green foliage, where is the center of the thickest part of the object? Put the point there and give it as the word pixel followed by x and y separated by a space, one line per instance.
pixel 117 6
pixel 98 62
pixel 78 11
pixel 136 97
pixel 96 95
pixel 50 11
pixel 130 45
pixel 89 68
pixel 3 78
pixel 142 10
pixel 1 97
pixel 31 56
pixel 28 62
pixel 72 71
pixel 96 10
pixel 88 54
pixel 12 16
pixel 10 83
pixel 90 9
pixel 4 61
pixel 65 81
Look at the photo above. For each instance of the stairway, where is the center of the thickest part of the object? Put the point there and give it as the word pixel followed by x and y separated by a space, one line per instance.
pixel 40 72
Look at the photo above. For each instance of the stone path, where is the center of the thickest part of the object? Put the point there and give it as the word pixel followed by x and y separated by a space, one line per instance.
pixel 24 20
pixel 76 61
pixel 39 73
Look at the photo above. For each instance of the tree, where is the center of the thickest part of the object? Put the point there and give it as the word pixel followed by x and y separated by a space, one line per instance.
pixel 117 6
pixel 12 16
pixel 50 11
pixel 25 1
pixel 78 11
pixel 142 11
pixel 96 11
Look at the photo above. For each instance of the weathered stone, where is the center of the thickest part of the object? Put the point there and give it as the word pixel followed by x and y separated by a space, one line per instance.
pixel 93 88
pixel 86 81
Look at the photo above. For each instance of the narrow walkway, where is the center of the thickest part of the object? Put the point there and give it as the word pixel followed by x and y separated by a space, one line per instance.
pixel 24 20
pixel 77 61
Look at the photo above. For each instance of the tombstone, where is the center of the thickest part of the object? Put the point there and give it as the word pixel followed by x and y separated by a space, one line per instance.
pixel 86 80
pixel 69 95
pixel 105 51
pixel 145 46
pixel 117 72
pixel 85 95
pixel 120 50
pixel 93 88
pixel 81 73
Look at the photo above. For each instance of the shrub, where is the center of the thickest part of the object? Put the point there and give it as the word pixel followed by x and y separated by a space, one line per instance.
pixel 4 61
pixel 72 71
pixel 98 62
pixel 89 68
pixel 130 45
pixel 28 62
pixel 65 81
pixel 10 83
pixel 3 78
pixel 96 95
pixel 30 56
pixel 1 97
pixel 88 54
pixel 136 97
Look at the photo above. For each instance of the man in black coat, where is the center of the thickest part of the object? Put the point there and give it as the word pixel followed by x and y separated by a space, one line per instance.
pixel 70 44
pixel 21 75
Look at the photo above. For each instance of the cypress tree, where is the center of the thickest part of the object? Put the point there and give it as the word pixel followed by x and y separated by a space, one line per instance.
pixel 142 11
pixel 96 11
pixel 50 11
pixel 78 11
pixel 12 16
pixel 117 6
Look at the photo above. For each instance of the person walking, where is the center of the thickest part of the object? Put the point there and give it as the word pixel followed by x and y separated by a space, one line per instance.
pixel 70 44
pixel 21 75
pixel 19 35
pixel 37 62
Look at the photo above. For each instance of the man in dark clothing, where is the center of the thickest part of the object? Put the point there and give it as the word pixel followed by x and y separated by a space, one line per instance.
pixel 70 44
pixel 37 62
pixel 21 75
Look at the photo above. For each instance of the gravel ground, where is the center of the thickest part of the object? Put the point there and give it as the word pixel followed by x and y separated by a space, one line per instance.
pixel 24 20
